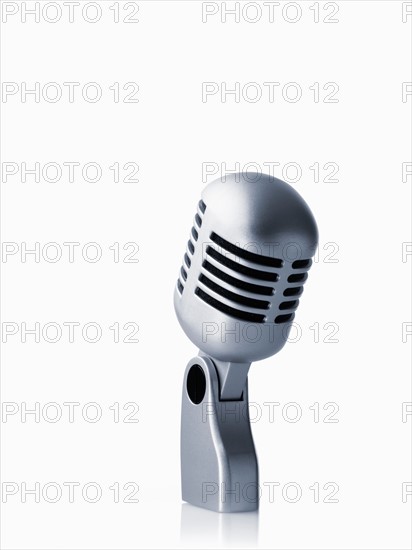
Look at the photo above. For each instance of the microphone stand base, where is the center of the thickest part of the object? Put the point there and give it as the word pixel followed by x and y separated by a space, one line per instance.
pixel 218 460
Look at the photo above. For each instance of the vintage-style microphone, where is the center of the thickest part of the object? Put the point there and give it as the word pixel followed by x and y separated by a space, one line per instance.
pixel 238 289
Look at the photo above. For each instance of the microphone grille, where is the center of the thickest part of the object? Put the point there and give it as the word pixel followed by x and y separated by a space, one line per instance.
pixel 255 288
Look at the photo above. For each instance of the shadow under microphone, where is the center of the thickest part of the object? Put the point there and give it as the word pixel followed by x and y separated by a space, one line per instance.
pixel 246 261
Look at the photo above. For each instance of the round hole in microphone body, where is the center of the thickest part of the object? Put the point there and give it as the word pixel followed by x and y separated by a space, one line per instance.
pixel 196 384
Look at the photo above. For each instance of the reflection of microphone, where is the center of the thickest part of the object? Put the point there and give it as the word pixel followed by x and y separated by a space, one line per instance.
pixel 238 289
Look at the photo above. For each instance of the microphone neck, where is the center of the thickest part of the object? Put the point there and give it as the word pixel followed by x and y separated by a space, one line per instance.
pixel 232 378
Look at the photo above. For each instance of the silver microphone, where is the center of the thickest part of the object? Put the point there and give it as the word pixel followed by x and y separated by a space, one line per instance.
pixel 239 286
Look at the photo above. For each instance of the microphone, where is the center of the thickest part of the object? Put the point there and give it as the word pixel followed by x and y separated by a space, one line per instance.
pixel 246 261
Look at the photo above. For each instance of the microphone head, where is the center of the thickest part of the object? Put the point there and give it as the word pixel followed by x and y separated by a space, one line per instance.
pixel 246 261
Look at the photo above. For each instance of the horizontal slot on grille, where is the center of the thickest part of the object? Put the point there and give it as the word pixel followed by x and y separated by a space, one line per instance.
pixel 190 246
pixel 249 287
pixel 187 260
pixel 243 300
pixel 289 305
pixel 184 274
pixel 301 264
pixel 293 291
pixel 180 286
pixel 284 318
pixel 245 254
pixel 195 234
pixel 198 220
pixel 202 206
pixel 248 271
pixel 233 312
pixel 297 278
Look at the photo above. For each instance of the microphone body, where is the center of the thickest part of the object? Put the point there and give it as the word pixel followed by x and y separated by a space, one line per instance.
pixel 239 287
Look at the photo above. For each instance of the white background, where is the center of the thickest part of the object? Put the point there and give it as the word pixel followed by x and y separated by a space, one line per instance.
pixel 362 288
